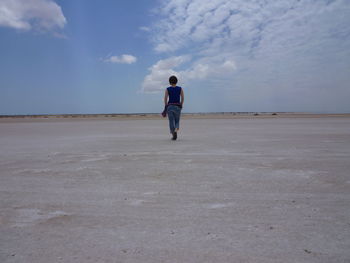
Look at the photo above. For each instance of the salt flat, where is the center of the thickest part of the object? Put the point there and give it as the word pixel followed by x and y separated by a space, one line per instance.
pixel 229 190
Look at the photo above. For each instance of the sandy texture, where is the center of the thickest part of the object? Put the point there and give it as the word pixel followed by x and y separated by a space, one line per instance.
pixel 229 190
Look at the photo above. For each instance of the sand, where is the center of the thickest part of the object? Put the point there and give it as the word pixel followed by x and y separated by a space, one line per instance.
pixel 229 189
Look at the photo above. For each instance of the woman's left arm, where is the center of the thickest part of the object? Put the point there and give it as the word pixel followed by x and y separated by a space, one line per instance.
pixel 166 95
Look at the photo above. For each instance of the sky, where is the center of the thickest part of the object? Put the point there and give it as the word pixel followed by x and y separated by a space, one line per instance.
pixel 115 56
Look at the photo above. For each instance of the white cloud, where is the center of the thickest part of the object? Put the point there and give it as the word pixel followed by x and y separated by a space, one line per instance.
pixel 42 15
pixel 145 28
pixel 123 59
pixel 201 69
pixel 265 47
pixel 160 72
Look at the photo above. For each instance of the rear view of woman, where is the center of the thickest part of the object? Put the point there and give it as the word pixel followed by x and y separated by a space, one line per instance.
pixel 174 105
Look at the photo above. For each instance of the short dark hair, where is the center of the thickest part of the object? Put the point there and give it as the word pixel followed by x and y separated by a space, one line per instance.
pixel 173 80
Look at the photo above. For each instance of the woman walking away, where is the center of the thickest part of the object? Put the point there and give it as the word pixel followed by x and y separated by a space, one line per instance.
pixel 174 105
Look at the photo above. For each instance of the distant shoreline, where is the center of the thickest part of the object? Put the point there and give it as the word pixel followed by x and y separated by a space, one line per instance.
pixel 219 115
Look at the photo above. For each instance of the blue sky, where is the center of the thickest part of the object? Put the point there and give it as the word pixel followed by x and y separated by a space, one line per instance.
pixel 84 56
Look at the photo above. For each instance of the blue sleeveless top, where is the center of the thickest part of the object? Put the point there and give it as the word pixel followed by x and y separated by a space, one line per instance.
pixel 174 95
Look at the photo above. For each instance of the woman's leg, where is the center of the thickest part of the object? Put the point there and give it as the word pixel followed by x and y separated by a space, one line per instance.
pixel 171 117
pixel 177 119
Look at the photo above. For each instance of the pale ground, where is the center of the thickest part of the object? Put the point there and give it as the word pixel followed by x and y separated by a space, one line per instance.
pixel 229 190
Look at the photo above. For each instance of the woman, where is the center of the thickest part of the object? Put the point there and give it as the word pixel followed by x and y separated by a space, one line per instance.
pixel 174 105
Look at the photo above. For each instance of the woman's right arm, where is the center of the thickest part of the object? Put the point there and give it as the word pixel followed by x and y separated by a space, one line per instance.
pixel 182 97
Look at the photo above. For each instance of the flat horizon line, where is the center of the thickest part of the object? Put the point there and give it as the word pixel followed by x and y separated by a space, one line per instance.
pixel 143 114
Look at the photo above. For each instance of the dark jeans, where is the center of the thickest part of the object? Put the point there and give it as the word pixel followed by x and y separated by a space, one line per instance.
pixel 174 113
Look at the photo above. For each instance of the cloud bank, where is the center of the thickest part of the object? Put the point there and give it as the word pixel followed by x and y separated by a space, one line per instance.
pixel 275 49
pixel 42 15
pixel 123 59
pixel 200 70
